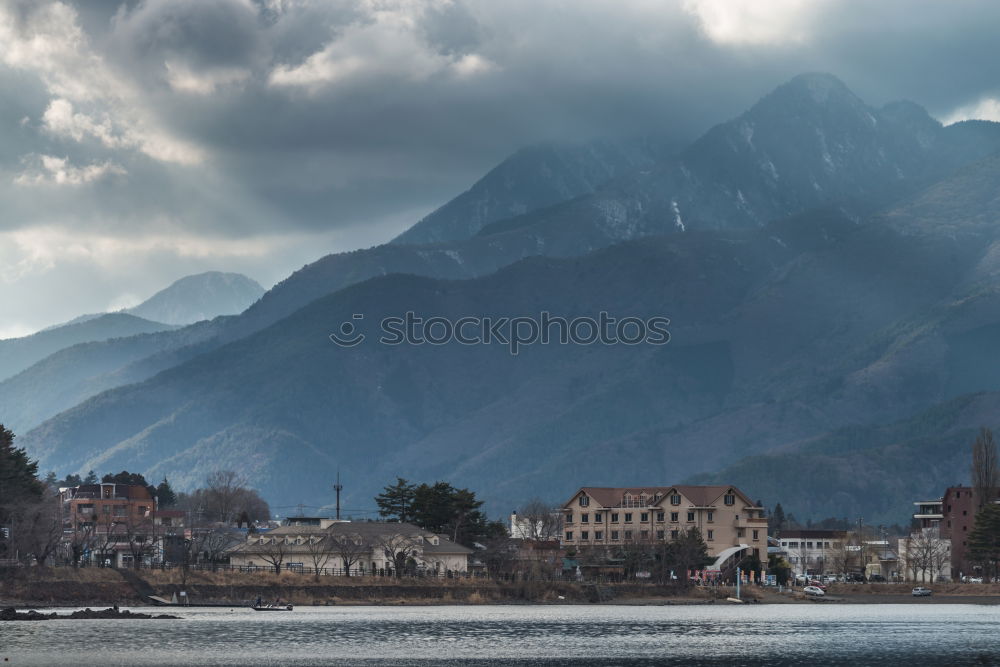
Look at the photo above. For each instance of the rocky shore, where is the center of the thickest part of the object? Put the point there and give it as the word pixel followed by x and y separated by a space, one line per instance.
pixel 11 614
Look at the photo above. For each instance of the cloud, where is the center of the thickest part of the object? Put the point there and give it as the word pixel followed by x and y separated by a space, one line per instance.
pixel 752 22
pixel 262 124
pixel 184 80
pixel 987 108
pixel 49 170
pixel 386 44
pixel 46 39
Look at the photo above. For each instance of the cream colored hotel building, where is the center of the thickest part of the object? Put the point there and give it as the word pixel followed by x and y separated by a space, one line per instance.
pixel 727 518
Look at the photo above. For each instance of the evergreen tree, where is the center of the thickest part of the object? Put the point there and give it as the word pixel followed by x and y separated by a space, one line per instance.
pixel 18 474
pixel 51 479
pixel 687 552
pixel 433 506
pixel 777 520
pixel 984 540
pixel 395 503
pixel 165 496
pixel 19 487
pixel 71 480
pixel 91 478
pixel 130 478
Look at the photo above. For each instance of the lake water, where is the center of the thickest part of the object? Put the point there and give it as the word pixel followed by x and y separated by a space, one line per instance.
pixel 914 635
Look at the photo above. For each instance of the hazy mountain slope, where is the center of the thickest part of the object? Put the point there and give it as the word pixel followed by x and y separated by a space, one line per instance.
pixel 872 471
pixel 16 354
pixel 530 179
pixel 809 143
pixel 762 323
pixel 200 297
pixel 394 396
pixel 74 373
pixel 786 129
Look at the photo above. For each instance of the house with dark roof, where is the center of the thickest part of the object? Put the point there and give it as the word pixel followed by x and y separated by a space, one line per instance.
pixel 731 523
pixel 345 547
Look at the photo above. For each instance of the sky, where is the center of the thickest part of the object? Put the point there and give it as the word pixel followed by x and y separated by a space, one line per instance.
pixel 146 140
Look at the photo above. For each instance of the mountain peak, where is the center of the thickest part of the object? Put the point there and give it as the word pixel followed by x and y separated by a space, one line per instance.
pixel 200 297
pixel 815 89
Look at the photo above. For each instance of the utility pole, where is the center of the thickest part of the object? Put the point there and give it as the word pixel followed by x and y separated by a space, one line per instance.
pixel 861 543
pixel 337 487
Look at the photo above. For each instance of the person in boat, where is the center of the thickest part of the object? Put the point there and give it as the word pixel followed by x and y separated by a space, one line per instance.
pixel 259 602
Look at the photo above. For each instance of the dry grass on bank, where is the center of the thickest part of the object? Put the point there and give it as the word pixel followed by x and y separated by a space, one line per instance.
pixel 979 590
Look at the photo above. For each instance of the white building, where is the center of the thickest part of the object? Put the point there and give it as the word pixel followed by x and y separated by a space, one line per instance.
pixel 364 548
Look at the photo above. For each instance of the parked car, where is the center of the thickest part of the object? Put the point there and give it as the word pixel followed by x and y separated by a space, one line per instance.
pixel 921 591
pixel 815 591
pixel 973 580
pixel 818 584
pixel 856 578
pixel 876 578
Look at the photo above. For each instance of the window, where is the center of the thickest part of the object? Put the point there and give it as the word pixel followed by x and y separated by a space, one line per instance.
pixel 674 517
pixel 730 499
pixel 628 534
pixel 739 532
pixel 569 517
pixel 121 510
pixel 644 534
pixel 690 516
pixel 711 534
pixel 614 517
pixel 660 516
pixel 628 517
pixel 584 535
pixel 659 534
pixel 674 534
pixel 106 509
pixel 598 534
pixel 756 535
pixel 584 501
pixel 584 518
pixel 644 517
pixel 598 517
pixel 569 535
pixel 711 515
pixel 675 499
pixel 614 535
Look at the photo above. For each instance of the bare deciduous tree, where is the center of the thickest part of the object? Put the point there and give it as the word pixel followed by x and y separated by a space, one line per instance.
pixel 38 528
pixel 318 548
pixel 223 489
pixel 398 549
pixel 985 471
pixel 536 520
pixel 925 555
pixel 273 551
pixel 350 548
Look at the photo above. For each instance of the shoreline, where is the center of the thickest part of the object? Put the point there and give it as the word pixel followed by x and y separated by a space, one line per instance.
pixel 46 588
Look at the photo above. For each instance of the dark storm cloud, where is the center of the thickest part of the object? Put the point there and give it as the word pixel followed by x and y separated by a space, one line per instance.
pixel 228 124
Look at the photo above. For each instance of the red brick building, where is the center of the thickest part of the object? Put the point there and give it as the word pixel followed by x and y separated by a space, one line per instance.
pixel 958 515
pixel 109 523
pixel 953 516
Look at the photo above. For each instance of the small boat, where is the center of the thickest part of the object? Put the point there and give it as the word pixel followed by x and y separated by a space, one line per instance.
pixel 285 607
